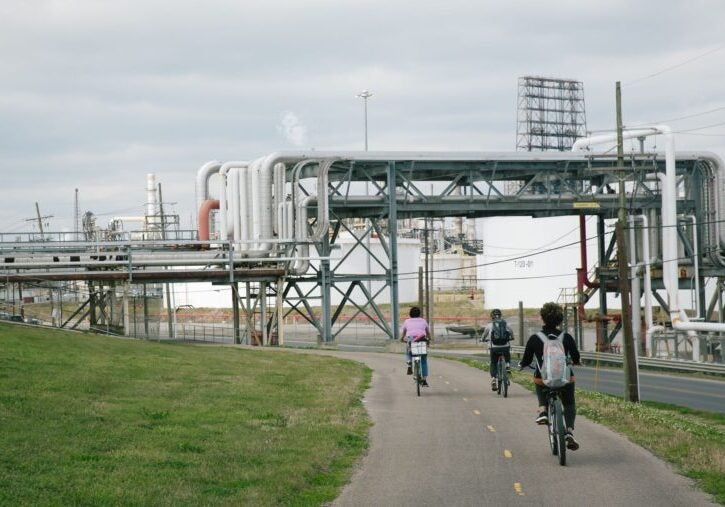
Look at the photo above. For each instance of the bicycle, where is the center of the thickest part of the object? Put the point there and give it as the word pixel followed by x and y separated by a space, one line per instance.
pixel 502 377
pixel 556 425
pixel 417 350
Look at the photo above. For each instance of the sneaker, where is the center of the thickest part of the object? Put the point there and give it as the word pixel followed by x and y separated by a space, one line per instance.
pixel 424 383
pixel 410 370
pixel 542 419
pixel 571 444
pixel 494 386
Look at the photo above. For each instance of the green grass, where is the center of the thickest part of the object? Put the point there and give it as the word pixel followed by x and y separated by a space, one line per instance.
pixel 95 420
pixel 692 441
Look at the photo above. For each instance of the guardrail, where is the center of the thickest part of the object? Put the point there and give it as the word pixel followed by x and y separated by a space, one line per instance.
pixel 650 362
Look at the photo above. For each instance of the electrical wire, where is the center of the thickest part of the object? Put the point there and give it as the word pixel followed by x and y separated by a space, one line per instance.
pixel 673 67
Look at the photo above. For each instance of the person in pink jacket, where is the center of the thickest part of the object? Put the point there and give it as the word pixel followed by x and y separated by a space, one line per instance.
pixel 416 328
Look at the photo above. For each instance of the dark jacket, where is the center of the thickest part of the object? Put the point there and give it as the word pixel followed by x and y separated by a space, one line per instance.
pixel 535 348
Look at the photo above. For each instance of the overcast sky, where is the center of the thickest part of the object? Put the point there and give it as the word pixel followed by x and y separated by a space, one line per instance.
pixel 94 94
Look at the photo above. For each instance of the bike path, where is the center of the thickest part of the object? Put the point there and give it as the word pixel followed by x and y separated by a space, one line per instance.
pixel 461 444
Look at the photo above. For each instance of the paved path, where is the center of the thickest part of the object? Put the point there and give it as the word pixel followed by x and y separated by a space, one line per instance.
pixel 460 444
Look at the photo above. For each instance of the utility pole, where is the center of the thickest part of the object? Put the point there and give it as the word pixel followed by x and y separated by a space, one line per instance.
pixel 38 218
pixel 631 391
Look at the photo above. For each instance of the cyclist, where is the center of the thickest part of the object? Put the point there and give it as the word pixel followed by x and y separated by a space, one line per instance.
pixel 416 328
pixel 552 316
pixel 499 334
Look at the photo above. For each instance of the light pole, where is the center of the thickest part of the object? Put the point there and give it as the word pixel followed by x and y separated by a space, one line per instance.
pixel 365 95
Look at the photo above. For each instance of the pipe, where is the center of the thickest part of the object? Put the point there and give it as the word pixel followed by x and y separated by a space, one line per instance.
pixel 227 222
pixel 152 223
pixel 203 219
pixel 202 181
pixel 680 320
pixel 696 261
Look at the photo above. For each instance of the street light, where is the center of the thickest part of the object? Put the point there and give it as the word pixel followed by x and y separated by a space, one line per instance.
pixel 365 95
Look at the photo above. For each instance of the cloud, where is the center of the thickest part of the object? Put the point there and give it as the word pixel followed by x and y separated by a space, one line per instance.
pixel 293 129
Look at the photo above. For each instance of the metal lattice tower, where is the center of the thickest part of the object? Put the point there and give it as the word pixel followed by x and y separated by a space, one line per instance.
pixel 551 114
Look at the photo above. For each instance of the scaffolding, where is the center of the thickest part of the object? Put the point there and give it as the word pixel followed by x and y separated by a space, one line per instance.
pixel 551 114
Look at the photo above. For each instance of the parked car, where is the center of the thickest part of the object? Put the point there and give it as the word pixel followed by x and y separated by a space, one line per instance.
pixel 16 318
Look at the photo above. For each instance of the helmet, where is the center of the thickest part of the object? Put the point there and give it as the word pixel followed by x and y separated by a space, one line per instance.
pixel 496 314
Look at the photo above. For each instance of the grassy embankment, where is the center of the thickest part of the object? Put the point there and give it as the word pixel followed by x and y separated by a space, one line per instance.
pixel 692 441
pixel 95 420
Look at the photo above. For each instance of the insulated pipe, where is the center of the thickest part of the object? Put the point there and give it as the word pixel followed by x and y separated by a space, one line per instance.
pixel 203 219
pixel 202 181
pixel 235 209
pixel 679 318
pixel 226 197
pixel 696 255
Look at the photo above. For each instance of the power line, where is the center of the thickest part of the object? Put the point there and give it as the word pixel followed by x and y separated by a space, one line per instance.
pixel 667 69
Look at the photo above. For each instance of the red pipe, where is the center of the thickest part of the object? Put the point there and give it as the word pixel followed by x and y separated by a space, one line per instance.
pixel 581 278
pixel 203 220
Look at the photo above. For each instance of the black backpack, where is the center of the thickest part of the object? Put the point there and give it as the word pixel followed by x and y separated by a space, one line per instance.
pixel 500 335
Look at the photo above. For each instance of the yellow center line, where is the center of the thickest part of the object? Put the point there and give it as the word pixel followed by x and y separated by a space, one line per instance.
pixel 491 428
pixel 507 453
pixel 477 412
pixel 519 489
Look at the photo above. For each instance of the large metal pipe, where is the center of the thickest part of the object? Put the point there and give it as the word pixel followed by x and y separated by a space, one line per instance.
pixel 202 181
pixel 203 218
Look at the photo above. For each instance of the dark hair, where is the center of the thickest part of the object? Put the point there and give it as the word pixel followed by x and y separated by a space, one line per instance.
pixel 552 314
pixel 414 312
pixel 496 313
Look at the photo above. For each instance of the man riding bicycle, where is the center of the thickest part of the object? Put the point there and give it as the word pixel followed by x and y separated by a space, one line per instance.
pixel 552 316
pixel 416 328
pixel 499 334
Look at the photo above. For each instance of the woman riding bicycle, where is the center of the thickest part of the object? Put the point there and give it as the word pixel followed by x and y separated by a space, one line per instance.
pixel 415 329
pixel 552 316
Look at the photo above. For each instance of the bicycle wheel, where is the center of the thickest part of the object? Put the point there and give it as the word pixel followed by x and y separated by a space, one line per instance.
pixel 416 374
pixel 551 426
pixel 499 375
pixel 560 429
pixel 505 381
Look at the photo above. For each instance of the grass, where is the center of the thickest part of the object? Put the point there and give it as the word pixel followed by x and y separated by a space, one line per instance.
pixel 692 441
pixel 96 420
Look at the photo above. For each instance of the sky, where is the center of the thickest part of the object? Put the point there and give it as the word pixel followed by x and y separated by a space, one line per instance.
pixel 95 94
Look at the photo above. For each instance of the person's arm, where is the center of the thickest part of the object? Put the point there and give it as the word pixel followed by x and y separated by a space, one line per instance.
pixel 510 332
pixel 402 334
pixel 486 332
pixel 528 353
pixel 572 348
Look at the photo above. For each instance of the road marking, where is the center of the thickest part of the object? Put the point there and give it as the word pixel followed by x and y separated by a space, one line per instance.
pixel 519 489
pixel 491 428
pixel 507 453
pixel 465 399
pixel 477 412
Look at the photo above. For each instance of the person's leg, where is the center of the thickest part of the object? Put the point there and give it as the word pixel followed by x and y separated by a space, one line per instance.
pixel 569 402
pixel 424 365
pixel 542 417
pixel 507 357
pixel 493 366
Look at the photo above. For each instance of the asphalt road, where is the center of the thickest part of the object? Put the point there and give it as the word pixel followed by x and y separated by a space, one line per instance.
pixel 702 394
pixel 461 444
pixel 682 390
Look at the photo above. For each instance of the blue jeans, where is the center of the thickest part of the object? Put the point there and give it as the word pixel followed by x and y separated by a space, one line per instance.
pixel 423 360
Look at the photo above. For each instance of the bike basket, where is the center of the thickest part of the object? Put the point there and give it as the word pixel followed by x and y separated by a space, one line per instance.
pixel 418 348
